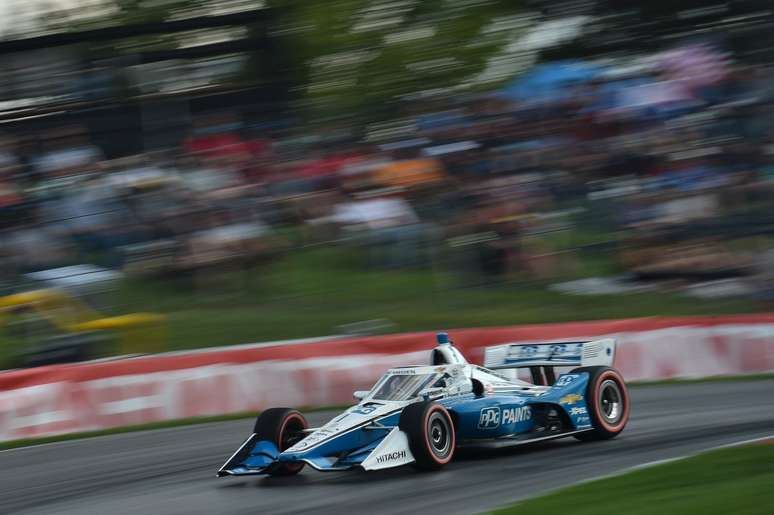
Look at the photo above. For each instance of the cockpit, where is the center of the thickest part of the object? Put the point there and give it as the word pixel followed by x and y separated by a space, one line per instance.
pixel 403 387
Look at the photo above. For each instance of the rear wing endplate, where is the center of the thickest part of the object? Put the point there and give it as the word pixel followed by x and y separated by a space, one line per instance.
pixel 552 354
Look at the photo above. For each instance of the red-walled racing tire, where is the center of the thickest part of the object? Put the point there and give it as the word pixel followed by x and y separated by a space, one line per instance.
pixel 284 427
pixel 607 400
pixel 431 434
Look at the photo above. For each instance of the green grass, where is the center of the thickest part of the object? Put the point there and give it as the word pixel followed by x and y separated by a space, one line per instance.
pixel 311 293
pixel 736 480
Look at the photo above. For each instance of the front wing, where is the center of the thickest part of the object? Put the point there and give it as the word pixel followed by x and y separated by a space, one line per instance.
pixel 255 457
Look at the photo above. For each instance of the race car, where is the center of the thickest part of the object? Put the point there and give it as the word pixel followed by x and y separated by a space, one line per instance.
pixel 420 415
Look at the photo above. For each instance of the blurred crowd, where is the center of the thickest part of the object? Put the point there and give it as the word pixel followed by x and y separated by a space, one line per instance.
pixel 666 162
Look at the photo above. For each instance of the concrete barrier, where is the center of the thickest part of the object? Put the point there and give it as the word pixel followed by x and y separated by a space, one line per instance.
pixel 81 397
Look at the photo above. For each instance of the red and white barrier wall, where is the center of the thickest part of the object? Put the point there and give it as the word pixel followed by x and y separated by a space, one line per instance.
pixel 81 397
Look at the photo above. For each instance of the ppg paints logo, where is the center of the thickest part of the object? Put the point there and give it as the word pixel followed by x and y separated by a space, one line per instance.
pixel 491 418
pixel 514 415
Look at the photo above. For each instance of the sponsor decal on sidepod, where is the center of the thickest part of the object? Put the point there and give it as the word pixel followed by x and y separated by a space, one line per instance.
pixel 570 398
pixel 490 418
pixel 566 379
pixel 391 456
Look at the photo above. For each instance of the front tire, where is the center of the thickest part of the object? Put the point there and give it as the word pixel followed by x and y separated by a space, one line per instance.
pixel 607 400
pixel 430 432
pixel 284 427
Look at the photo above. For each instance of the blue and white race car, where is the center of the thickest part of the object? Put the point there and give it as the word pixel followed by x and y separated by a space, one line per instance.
pixel 420 415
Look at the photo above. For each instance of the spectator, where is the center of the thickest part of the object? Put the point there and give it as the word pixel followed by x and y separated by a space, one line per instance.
pixel 67 151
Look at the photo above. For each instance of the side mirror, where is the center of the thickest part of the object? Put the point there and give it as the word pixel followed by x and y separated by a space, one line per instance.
pixel 432 394
pixel 359 395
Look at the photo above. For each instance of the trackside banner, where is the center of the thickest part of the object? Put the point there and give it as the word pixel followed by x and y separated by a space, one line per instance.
pixel 81 397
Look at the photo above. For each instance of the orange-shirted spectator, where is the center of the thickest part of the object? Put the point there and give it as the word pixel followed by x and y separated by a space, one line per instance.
pixel 410 172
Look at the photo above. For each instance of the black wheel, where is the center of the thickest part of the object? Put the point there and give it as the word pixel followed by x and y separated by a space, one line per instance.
pixel 284 427
pixel 607 400
pixel 430 433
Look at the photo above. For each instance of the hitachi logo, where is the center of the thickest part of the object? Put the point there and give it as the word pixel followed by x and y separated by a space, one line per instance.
pixel 391 456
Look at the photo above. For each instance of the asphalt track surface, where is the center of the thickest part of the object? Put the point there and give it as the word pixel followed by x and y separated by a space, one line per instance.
pixel 172 471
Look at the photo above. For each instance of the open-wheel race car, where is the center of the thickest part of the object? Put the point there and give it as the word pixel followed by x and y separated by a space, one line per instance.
pixel 420 415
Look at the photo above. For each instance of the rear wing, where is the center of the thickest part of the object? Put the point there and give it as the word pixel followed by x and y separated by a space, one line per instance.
pixel 554 354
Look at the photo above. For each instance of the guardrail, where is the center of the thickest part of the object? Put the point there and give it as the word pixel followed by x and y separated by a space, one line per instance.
pixel 80 397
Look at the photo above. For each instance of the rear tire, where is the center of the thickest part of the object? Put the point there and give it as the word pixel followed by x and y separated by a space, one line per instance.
pixel 431 434
pixel 284 427
pixel 607 400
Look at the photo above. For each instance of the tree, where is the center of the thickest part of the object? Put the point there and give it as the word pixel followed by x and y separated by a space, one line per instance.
pixel 342 57
pixel 361 56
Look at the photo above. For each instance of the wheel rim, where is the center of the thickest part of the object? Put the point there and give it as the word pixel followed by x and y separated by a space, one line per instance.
pixel 292 433
pixel 610 402
pixel 439 434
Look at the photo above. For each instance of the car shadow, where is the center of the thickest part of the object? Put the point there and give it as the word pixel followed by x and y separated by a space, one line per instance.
pixel 477 453
pixel 359 476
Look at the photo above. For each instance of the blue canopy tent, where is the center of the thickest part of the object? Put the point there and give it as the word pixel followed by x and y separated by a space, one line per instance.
pixel 550 81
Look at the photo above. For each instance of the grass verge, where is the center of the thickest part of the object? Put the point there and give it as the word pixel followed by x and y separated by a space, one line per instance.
pixel 734 480
pixel 28 442
pixel 313 292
